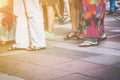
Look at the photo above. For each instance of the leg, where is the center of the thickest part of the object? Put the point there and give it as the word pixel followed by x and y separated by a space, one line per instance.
pixel 112 5
pixel 22 37
pixel 94 27
pixel 36 23
pixel 50 18
pixel 45 18
pixel 75 14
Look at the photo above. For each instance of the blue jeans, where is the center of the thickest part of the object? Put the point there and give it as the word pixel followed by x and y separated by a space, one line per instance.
pixel 112 5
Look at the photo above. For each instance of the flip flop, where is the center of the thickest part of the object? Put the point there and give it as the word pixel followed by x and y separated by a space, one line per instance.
pixel 88 43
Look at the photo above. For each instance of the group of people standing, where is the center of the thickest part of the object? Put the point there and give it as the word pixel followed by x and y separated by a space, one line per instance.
pixel 34 18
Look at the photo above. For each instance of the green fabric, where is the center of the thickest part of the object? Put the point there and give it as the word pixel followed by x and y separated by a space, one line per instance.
pixel 91 39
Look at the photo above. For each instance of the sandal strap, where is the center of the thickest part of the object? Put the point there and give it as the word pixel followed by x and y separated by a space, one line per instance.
pixel 70 35
pixel 31 48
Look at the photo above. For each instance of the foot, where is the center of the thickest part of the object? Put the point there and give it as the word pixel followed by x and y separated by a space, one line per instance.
pixel 63 20
pixel 103 37
pixel 15 48
pixel 81 36
pixel 33 48
pixel 70 35
pixel 48 34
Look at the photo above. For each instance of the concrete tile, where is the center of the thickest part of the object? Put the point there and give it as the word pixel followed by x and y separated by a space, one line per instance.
pixel 9 77
pixel 105 60
pixel 29 71
pixel 115 39
pixel 78 66
pixel 8 65
pixel 71 54
pixel 116 64
pixel 94 49
pixel 76 77
pixel 110 44
pixel 105 73
pixel 39 59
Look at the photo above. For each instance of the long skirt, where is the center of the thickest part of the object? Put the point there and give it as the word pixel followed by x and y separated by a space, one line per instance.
pixel 93 19
pixel 7 23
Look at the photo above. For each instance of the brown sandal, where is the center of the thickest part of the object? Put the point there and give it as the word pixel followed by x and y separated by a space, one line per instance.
pixel 33 48
pixel 70 35
pixel 14 48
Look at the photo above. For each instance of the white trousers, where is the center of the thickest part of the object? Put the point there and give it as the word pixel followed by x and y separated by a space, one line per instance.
pixel 30 24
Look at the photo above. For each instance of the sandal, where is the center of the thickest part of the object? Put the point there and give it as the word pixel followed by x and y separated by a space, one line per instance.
pixel 14 48
pixel 80 36
pixel 33 48
pixel 70 35
pixel 63 21
pixel 103 37
pixel 88 43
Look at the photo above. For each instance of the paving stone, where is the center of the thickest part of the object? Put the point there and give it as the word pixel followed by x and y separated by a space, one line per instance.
pixel 105 60
pixel 8 77
pixel 105 73
pixel 78 66
pixel 115 39
pixel 76 77
pixel 110 44
pixel 29 71
pixel 94 49
pixel 39 59
pixel 71 54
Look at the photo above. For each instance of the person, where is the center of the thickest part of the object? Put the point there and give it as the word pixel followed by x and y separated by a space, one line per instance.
pixel 60 9
pixel 49 16
pixel 93 22
pixel 67 10
pixel 7 20
pixel 76 16
pixel 64 8
pixel 112 7
pixel 30 33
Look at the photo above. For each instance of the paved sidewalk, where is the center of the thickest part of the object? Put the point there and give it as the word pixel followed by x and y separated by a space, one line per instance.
pixel 64 60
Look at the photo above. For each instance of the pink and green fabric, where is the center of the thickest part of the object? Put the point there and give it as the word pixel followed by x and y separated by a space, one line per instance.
pixel 93 19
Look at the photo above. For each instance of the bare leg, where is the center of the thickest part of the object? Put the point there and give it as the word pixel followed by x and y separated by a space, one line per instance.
pixel 73 15
pixel 45 18
pixel 50 18
pixel 58 11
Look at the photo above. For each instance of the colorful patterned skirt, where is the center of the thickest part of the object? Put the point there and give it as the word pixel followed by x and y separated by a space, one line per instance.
pixel 93 14
pixel 7 23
